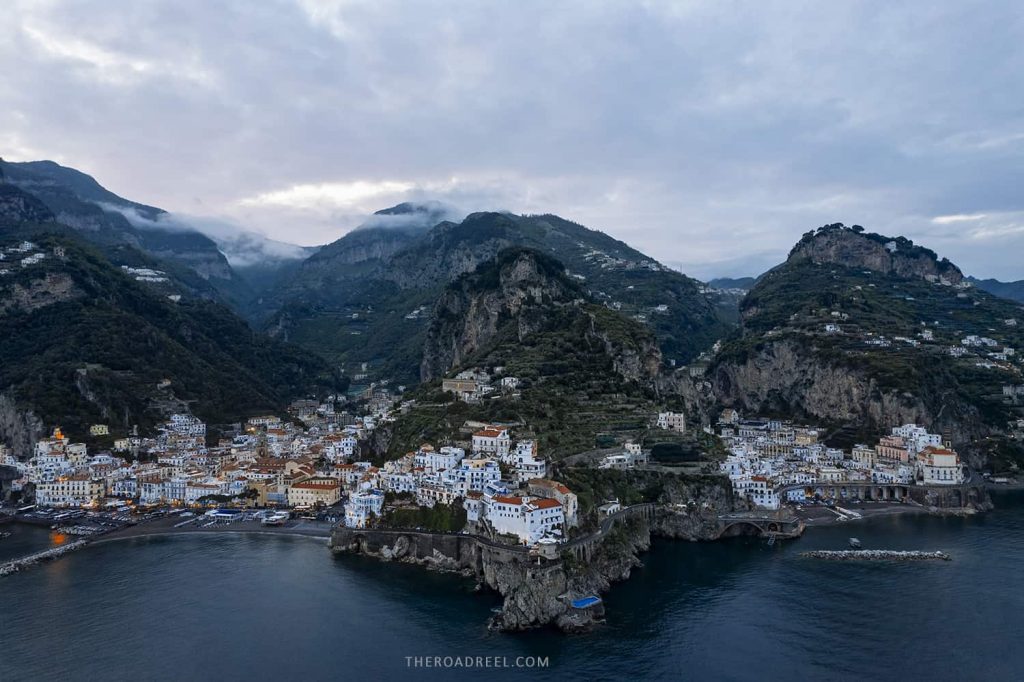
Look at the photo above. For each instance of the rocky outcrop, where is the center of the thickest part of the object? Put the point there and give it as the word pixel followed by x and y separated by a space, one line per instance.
pixel 19 429
pixel 39 293
pixel 853 248
pixel 537 595
pixel 689 508
pixel 531 593
pixel 521 293
pixel 638 359
pixel 963 499
pixel 513 293
pixel 537 590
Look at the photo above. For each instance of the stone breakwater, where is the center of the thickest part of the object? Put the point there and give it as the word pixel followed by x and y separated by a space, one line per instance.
pixel 876 555
pixel 46 555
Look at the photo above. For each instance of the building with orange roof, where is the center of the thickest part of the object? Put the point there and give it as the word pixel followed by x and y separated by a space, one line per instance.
pixel 310 492
pixel 543 487
pixel 527 518
pixel 939 466
pixel 493 440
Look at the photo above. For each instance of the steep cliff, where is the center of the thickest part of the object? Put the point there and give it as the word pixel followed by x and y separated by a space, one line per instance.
pixel 513 293
pixel 485 317
pixel 19 428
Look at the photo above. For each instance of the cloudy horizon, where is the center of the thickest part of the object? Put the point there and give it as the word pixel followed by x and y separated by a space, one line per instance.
pixel 710 135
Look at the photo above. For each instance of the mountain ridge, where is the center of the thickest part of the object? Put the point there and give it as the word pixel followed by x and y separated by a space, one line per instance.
pixel 384 291
pixel 866 344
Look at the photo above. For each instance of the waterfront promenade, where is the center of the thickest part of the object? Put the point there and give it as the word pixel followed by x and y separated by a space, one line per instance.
pixel 169 526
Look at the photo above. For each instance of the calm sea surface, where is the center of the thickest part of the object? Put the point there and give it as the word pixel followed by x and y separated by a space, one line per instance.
pixel 257 607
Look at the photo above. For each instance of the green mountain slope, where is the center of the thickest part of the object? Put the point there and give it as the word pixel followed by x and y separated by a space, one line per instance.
pixel 366 298
pixel 85 343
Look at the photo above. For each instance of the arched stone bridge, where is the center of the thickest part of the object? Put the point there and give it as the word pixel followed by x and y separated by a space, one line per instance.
pixel 764 523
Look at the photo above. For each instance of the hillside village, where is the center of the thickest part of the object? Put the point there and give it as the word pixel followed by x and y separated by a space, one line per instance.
pixel 271 463
pixel 773 462
pixel 313 463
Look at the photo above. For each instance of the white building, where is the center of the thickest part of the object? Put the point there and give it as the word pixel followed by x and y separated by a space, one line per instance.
pixel 939 466
pixel 433 461
pixel 399 482
pixel 527 464
pixel 362 506
pixel 473 474
pixel 542 487
pixel 917 437
pixel 673 421
pixel 758 490
pixel 529 519
pixel 69 491
pixel 494 440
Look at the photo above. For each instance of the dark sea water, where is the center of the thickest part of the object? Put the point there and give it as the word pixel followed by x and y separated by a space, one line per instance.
pixel 257 607
pixel 25 540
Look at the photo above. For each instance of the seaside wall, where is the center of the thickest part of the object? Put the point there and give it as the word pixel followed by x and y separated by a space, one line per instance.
pixel 958 497
pixel 445 551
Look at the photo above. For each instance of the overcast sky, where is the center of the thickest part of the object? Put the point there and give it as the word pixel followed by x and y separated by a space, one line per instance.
pixel 710 135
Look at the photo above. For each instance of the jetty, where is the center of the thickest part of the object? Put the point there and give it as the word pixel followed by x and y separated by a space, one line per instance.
pixel 46 555
pixel 876 555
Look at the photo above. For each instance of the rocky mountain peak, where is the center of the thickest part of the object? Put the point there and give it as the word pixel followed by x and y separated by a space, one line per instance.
pixel 853 247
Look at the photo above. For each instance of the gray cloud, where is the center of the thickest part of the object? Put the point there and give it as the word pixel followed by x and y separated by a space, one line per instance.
pixel 708 134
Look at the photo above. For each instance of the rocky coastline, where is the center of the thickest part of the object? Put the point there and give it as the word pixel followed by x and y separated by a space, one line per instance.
pixel 538 590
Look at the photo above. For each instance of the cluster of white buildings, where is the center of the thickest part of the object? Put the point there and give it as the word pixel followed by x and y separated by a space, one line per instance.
pixel 772 461
pixel 501 484
pixel 990 353
pixel 23 255
pixel 145 274
pixel 270 463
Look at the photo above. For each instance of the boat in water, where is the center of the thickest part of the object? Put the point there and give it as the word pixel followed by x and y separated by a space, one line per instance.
pixel 854 543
